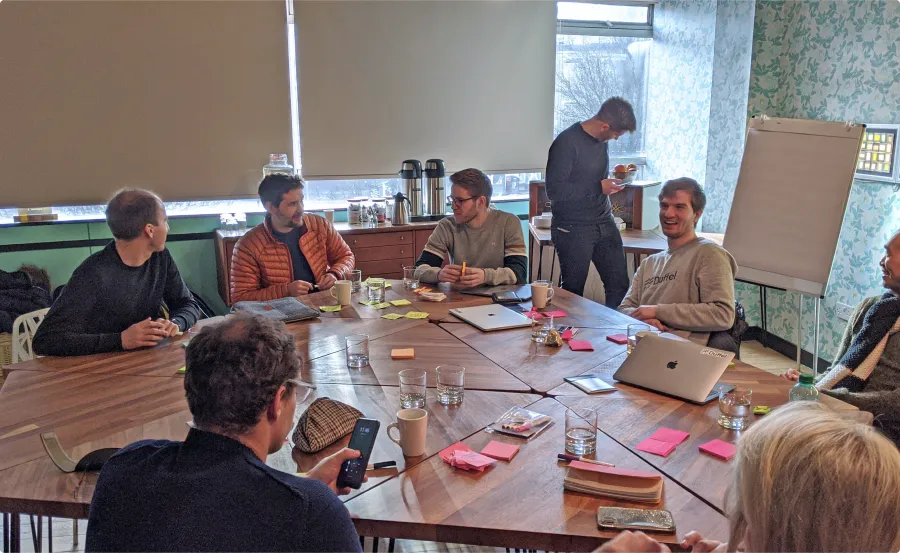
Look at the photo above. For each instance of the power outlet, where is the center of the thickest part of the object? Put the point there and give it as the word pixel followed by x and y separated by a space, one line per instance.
pixel 843 311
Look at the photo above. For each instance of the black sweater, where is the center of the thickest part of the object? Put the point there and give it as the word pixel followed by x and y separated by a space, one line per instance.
pixel 105 296
pixel 576 164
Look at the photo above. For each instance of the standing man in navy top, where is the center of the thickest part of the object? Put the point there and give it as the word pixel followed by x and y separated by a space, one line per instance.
pixel 578 186
pixel 214 491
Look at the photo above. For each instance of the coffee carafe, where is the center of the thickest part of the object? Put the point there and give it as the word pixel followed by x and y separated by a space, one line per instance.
pixel 411 176
pixel 434 187
pixel 401 210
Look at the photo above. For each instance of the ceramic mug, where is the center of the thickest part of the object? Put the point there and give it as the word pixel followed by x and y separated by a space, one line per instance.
pixel 411 424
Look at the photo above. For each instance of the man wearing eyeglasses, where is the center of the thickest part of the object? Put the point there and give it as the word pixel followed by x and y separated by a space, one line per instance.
pixel 214 491
pixel 579 186
pixel 488 241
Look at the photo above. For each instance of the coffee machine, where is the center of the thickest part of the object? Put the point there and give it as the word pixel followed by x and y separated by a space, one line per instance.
pixel 434 187
pixel 411 180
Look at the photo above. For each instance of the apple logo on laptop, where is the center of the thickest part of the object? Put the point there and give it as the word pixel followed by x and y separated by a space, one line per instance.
pixel 671 364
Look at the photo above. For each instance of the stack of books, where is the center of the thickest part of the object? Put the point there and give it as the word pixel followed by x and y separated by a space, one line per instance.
pixel 631 485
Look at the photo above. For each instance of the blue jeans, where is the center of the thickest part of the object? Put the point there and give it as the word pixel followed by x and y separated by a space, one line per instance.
pixel 578 244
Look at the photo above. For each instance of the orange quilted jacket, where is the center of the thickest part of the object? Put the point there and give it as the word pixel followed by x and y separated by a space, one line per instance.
pixel 261 267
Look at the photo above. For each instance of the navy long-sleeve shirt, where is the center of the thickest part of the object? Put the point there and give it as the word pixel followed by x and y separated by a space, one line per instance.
pixel 105 296
pixel 576 164
pixel 211 493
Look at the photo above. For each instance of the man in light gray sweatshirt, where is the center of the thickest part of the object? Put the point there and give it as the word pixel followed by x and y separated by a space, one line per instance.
pixel 689 288
pixel 488 241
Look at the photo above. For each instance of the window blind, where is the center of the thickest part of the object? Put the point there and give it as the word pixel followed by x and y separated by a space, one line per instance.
pixel 186 98
pixel 469 82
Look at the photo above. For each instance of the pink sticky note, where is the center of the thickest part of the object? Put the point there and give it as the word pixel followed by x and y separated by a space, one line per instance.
pixel 447 453
pixel 656 447
pixel 620 339
pixel 567 335
pixel 500 450
pixel 555 314
pixel 723 450
pixel 580 345
pixel 669 435
pixel 474 460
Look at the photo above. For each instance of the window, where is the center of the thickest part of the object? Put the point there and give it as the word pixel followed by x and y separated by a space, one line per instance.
pixel 602 51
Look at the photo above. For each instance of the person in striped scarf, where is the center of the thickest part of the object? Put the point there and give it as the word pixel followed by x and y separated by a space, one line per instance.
pixel 866 370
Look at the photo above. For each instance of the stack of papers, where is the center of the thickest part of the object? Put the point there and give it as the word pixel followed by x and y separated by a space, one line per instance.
pixel 462 457
pixel 630 485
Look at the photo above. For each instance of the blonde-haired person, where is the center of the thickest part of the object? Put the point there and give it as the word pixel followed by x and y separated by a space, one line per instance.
pixel 796 474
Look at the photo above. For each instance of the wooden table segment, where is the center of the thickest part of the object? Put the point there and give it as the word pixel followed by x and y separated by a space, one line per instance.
pixel 520 503
pixel 110 400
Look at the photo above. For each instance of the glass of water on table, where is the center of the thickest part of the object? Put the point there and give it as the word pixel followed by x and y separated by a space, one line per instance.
pixel 412 388
pixel 357 350
pixel 410 282
pixel 376 289
pixel 734 408
pixel 581 431
pixel 450 381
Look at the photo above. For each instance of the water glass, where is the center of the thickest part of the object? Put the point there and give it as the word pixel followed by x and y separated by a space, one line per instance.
pixel 410 282
pixel 450 380
pixel 356 279
pixel 638 331
pixel 412 388
pixel 540 328
pixel 734 408
pixel 376 290
pixel 357 350
pixel 581 431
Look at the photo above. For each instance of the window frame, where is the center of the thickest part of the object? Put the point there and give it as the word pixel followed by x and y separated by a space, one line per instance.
pixel 608 28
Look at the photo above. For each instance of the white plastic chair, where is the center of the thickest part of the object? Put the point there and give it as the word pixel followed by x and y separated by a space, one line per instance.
pixel 24 328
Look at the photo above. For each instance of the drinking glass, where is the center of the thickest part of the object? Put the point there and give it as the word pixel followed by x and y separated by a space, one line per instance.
pixel 450 380
pixel 376 290
pixel 410 282
pixel 581 431
pixel 357 350
pixel 540 328
pixel 734 408
pixel 356 279
pixel 636 332
pixel 412 388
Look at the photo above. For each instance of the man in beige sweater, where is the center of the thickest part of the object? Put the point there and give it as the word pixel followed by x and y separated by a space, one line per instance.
pixel 689 288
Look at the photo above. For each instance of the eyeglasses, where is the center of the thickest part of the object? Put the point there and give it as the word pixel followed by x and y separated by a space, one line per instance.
pixel 301 389
pixel 459 201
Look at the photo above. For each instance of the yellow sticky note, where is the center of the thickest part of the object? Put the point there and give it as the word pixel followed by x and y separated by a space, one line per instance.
pixel 182 370
pixel 366 302
pixel 392 316
pixel 400 303
pixel 381 305
pixel 417 315
pixel 330 308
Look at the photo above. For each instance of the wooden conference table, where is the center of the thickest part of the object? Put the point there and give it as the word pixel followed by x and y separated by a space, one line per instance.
pixel 110 400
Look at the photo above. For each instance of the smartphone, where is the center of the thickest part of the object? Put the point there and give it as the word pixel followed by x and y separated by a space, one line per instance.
pixel 649 520
pixel 362 440
pixel 506 297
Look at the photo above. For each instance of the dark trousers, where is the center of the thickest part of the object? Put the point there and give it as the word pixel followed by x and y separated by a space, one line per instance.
pixel 577 244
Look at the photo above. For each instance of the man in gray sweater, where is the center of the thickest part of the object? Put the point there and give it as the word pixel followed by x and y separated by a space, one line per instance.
pixel 689 288
pixel 489 242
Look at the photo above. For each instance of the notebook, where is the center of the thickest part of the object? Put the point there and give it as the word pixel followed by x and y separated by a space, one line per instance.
pixel 282 309
pixel 590 383
pixel 630 485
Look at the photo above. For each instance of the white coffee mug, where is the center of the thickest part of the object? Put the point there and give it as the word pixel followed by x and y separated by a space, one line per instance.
pixel 341 291
pixel 329 214
pixel 541 292
pixel 412 424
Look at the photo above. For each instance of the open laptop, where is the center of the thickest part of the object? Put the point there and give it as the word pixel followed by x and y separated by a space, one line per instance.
pixel 676 368
pixel 491 317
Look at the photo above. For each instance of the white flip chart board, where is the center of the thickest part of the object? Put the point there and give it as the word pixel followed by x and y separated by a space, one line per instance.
pixel 790 199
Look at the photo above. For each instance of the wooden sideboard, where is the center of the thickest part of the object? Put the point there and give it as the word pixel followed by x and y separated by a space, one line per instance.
pixel 381 251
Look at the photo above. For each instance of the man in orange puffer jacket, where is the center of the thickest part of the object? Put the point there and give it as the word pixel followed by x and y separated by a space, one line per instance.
pixel 290 253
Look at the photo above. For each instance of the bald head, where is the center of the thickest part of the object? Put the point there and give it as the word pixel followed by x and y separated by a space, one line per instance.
pixel 130 210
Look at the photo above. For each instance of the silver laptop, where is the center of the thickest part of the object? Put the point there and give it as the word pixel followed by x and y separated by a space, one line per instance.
pixel 491 317
pixel 676 368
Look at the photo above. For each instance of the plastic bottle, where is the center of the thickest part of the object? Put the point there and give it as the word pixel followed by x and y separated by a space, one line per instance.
pixel 804 390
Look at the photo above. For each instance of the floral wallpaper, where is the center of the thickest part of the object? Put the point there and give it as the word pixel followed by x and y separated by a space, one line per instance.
pixel 833 60
pixel 728 108
pixel 681 72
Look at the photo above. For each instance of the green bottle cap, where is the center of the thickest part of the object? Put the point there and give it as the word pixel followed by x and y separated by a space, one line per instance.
pixel 806 378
